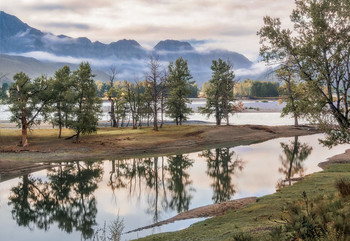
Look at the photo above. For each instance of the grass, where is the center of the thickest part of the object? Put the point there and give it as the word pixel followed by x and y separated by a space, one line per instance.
pixel 260 217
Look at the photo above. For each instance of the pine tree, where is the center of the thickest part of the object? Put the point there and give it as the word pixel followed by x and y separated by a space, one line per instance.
pixel 220 92
pixel 29 101
pixel 179 87
pixel 88 105
pixel 63 97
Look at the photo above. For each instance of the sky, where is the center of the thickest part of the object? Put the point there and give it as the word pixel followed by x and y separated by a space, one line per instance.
pixel 207 24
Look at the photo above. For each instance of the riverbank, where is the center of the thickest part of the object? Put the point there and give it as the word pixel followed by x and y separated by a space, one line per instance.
pixel 116 143
pixel 259 218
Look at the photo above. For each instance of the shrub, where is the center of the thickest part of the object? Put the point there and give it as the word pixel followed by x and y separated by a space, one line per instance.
pixel 343 187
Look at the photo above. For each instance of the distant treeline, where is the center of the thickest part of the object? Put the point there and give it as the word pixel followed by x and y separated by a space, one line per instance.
pixel 102 89
pixel 250 89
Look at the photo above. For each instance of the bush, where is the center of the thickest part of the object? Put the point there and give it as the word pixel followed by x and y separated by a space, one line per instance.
pixel 343 187
pixel 242 237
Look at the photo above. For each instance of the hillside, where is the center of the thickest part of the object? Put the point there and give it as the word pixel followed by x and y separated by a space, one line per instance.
pixel 11 65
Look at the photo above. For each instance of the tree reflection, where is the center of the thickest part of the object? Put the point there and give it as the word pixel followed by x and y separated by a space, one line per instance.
pixel 221 167
pixel 67 198
pixel 295 153
pixel 179 182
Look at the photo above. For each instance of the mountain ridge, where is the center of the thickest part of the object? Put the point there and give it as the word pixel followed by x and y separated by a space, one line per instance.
pixel 19 38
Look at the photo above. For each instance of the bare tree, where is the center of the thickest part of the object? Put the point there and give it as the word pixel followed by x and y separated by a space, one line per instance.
pixel 111 93
pixel 153 79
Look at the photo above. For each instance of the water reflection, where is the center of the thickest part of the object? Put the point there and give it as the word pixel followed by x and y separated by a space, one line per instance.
pixel 157 179
pixel 221 167
pixel 67 198
pixel 179 183
pixel 294 155
pixel 75 199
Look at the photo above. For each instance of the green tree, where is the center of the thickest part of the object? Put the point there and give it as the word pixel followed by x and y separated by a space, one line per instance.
pixel 318 47
pixel 179 86
pixel 62 98
pixel 29 101
pixel 3 91
pixel 296 102
pixel 88 105
pixel 220 92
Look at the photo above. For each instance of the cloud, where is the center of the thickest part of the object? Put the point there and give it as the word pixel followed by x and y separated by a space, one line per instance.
pixel 48 7
pixel 63 25
pixel 255 69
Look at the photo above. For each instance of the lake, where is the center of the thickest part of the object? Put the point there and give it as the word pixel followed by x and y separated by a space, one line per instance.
pixel 71 200
pixel 269 113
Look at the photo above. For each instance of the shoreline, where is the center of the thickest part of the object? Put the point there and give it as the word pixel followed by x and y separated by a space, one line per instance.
pixel 45 149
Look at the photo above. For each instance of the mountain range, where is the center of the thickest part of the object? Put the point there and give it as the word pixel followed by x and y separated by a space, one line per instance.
pixel 130 58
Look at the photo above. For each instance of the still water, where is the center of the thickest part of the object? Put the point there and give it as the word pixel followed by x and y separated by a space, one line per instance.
pixel 71 200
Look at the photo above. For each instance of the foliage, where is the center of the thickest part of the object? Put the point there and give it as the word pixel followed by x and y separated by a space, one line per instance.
pixel 179 86
pixel 343 187
pixel 242 237
pixel 264 89
pixel 62 95
pixel 88 105
pixel 3 91
pixel 324 218
pixel 111 233
pixel 220 92
pixel 317 48
pixel 29 101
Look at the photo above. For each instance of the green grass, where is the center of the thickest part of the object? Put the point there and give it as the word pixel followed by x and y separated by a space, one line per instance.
pixel 258 218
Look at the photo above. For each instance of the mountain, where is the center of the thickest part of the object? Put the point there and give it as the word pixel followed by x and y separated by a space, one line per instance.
pixel 18 38
pixel 10 65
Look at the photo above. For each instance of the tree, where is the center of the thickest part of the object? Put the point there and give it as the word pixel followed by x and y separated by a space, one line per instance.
pixel 135 99
pixel 296 103
pixel 318 47
pixel 62 97
pixel 112 93
pixel 88 105
pixel 179 86
pixel 220 92
pixel 29 101
pixel 3 91
pixel 154 78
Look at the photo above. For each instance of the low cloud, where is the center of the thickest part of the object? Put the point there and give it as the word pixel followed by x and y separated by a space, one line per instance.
pixel 63 25
pixel 255 70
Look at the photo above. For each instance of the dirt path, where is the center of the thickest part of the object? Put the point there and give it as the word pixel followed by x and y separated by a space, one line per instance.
pixel 212 210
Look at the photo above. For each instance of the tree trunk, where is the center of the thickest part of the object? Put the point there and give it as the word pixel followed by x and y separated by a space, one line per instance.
pixel 296 121
pixel 77 137
pixel 24 140
pixel 113 120
pixel 155 118
pixel 162 112
pixel 59 120
pixel 227 118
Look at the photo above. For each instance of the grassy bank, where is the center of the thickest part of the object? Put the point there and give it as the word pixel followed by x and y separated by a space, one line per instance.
pixel 259 218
